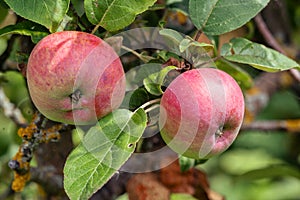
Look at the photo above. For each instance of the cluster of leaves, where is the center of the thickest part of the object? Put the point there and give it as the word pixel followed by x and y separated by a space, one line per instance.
pixel 107 146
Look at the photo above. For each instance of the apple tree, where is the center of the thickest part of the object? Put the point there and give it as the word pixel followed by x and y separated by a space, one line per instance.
pixel 149 99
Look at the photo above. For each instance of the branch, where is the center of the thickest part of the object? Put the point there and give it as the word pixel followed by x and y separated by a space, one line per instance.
pixel 10 110
pixel 48 178
pixel 290 125
pixel 269 38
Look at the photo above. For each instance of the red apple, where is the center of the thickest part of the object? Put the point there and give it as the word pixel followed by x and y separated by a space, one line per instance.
pixel 75 77
pixel 201 112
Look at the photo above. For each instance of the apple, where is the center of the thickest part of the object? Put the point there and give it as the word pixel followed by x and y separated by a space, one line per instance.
pixel 201 113
pixel 75 77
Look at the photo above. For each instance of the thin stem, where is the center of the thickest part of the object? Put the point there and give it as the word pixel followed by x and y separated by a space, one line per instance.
pixel 261 25
pixel 145 58
pixel 95 29
pixel 198 34
pixel 149 103
pixel 131 51
pixel 152 108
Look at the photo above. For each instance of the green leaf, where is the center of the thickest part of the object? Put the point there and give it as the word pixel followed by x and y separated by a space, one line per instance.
pixel 78 6
pixel 242 77
pixel 114 15
pixel 48 13
pixel 189 43
pixel 3 13
pixel 271 172
pixel 135 98
pixel 28 28
pixel 154 81
pixel 172 35
pixel 104 149
pixel 244 51
pixel 3 45
pixel 216 17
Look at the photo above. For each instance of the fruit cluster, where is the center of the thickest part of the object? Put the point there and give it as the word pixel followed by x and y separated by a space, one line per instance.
pixel 76 78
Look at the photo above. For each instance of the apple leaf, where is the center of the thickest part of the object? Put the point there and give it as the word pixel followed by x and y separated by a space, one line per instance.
pixel 242 77
pixel 28 28
pixel 48 13
pixel 154 81
pixel 241 50
pixel 102 152
pixel 216 17
pixel 135 98
pixel 3 13
pixel 189 43
pixel 79 7
pixel 114 15
pixel 173 35
pixel 172 39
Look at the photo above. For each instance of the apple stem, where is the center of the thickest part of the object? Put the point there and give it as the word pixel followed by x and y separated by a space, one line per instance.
pixel 75 96
pixel 149 103
pixel 151 108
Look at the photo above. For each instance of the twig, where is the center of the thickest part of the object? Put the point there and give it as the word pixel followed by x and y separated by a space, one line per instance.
pixel 198 34
pixel 10 110
pixel 149 103
pixel 290 125
pixel 145 59
pixel 272 41
pixel 95 29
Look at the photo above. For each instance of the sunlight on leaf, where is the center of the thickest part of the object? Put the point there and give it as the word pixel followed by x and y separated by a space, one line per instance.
pixel 104 149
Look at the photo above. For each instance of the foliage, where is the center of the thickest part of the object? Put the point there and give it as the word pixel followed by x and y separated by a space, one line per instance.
pixel 107 145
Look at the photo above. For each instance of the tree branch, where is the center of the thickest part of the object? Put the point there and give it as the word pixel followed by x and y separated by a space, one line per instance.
pixel 269 38
pixel 10 110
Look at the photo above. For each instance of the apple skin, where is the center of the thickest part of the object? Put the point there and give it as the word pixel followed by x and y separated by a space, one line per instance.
pixel 75 77
pixel 201 113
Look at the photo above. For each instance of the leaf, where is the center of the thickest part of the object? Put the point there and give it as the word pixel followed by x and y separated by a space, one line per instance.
pixel 135 98
pixel 173 35
pixel 48 13
pixel 270 172
pixel 114 15
pixel 78 6
pixel 154 81
pixel 143 71
pixel 3 13
pixel 244 51
pixel 28 28
pixel 104 149
pixel 115 42
pixel 242 77
pixel 216 17
pixel 189 43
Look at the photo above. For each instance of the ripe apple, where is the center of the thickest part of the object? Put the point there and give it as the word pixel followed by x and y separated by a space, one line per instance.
pixel 75 77
pixel 201 113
